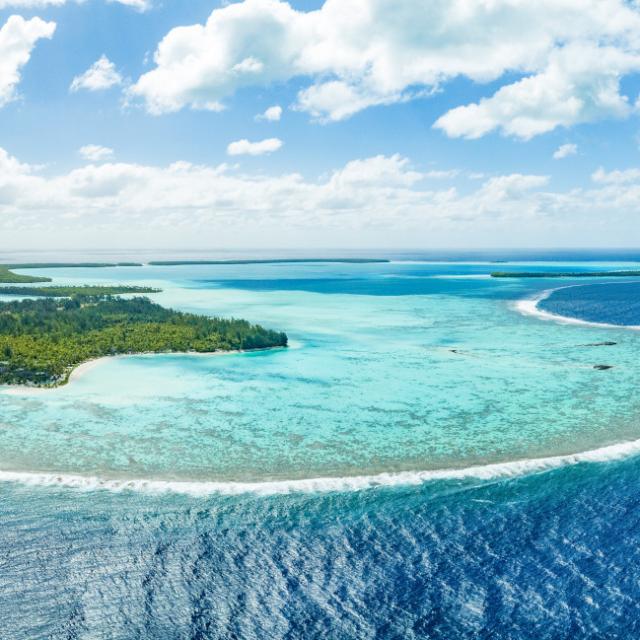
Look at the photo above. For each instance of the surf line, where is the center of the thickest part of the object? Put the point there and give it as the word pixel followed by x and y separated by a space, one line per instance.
pixel 529 307
pixel 499 470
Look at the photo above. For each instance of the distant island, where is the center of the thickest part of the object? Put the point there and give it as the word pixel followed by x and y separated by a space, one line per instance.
pixel 42 341
pixel 7 275
pixel 176 263
pixel 62 265
pixel 565 274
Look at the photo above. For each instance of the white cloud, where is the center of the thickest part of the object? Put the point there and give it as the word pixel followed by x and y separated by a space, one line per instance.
pixel 272 114
pixel 17 40
pixel 245 147
pixel 95 153
pixel 570 54
pixel 101 75
pixel 30 4
pixel 378 170
pixel 140 5
pixel 439 174
pixel 378 201
pixel 617 176
pixel 513 185
pixel 565 150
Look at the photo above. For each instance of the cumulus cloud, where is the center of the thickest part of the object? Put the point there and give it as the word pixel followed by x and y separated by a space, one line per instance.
pixel 101 75
pixel 382 199
pixel 272 114
pixel 580 83
pixel 245 147
pixel 18 37
pixel 95 152
pixel 565 150
pixel 353 54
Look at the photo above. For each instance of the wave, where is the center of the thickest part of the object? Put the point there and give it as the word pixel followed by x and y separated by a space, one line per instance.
pixel 499 470
pixel 529 307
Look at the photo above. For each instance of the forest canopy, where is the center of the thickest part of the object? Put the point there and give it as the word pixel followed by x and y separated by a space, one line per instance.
pixel 75 290
pixel 41 341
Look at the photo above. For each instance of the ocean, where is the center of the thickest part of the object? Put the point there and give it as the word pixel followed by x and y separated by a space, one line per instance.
pixel 430 458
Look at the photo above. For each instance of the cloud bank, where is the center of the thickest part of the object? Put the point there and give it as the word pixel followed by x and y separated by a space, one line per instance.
pixel 379 200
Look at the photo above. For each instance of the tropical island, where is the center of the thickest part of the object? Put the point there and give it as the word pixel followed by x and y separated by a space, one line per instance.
pixel 75 290
pixel 565 274
pixel 7 275
pixel 42 341
pixel 177 263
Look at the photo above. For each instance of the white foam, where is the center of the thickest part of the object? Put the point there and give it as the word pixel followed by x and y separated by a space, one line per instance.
pixel 529 307
pixel 323 485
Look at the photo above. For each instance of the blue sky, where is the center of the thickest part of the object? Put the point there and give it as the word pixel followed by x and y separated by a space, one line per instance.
pixel 407 127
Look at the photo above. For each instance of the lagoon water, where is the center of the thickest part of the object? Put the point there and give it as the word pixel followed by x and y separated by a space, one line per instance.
pixel 406 469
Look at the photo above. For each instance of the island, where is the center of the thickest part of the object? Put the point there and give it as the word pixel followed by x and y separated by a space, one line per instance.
pixel 7 275
pixel 565 274
pixel 75 290
pixel 42 341
pixel 177 263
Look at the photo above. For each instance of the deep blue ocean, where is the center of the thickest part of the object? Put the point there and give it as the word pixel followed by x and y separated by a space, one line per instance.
pixel 607 302
pixel 476 477
pixel 554 555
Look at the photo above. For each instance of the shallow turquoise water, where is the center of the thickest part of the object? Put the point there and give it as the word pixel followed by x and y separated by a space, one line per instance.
pixel 393 367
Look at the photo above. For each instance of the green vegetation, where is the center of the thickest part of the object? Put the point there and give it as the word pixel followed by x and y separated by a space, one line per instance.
pixel 175 263
pixel 41 341
pixel 71 291
pixel 7 276
pixel 568 274
pixel 71 265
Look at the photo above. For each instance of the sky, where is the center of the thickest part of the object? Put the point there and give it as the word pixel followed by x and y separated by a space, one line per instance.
pixel 311 124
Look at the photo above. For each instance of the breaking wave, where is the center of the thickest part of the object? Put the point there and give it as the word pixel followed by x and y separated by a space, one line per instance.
pixel 529 307
pixel 323 485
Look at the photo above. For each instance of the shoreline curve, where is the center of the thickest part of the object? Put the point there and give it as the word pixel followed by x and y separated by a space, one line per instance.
pixel 83 368
pixel 493 471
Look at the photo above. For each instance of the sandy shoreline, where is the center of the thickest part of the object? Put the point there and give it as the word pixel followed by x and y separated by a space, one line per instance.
pixel 85 367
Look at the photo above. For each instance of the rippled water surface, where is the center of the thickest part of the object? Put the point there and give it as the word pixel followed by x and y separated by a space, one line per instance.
pixel 393 368
pixel 616 303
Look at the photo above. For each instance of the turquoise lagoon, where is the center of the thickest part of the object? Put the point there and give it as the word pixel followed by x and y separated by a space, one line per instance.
pixel 393 368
